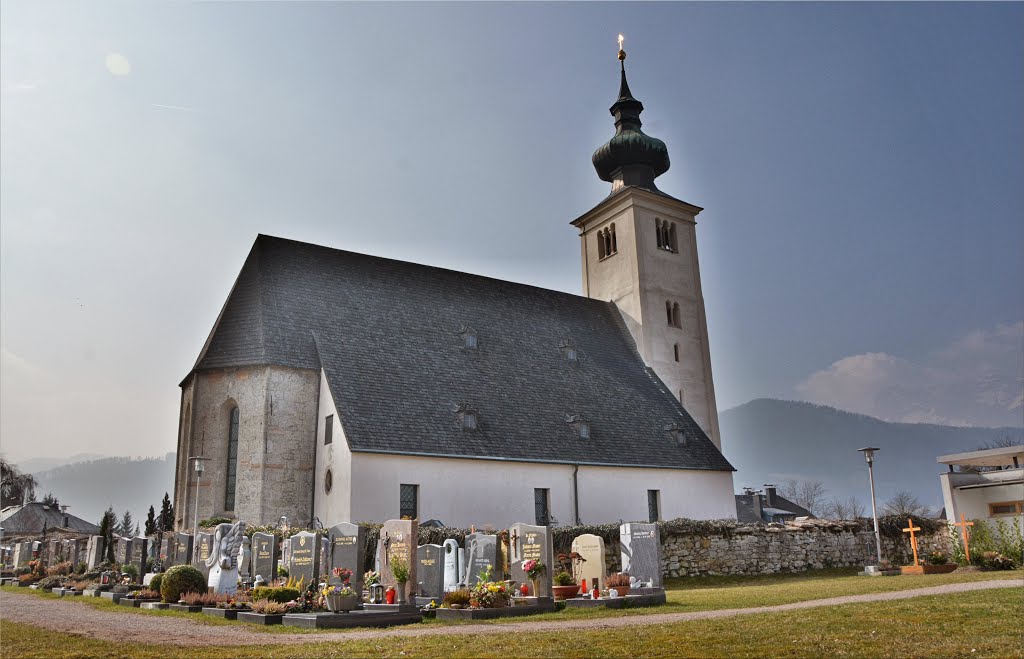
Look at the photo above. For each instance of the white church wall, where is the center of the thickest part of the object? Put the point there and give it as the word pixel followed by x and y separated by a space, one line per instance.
pixel 334 506
pixel 464 492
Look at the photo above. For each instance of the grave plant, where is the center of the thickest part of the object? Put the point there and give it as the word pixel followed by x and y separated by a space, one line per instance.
pixel 181 579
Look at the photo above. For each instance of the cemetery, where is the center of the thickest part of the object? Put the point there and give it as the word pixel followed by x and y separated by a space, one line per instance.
pixel 352 575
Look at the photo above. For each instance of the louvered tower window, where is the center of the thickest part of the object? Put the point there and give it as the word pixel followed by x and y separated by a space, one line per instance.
pixel 232 471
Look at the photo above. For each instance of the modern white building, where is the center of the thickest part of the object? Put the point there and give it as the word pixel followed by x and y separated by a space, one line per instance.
pixel 337 386
pixel 986 484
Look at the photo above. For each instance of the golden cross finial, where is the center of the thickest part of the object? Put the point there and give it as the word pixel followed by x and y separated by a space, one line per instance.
pixel 622 53
pixel 963 524
pixel 913 541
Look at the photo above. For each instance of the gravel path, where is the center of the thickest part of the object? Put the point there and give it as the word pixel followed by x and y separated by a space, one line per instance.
pixel 67 615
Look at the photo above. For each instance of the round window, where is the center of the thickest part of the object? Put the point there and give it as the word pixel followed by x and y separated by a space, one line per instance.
pixel 328 481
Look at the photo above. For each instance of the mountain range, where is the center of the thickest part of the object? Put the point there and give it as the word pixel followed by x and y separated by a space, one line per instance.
pixel 768 441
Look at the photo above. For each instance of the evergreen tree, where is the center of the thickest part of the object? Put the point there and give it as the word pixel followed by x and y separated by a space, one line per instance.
pixel 107 526
pixel 127 526
pixel 50 500
pixel 166 514
pixel 151 522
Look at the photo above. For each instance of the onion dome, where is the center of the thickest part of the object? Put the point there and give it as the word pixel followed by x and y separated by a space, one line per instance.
pixel 630 157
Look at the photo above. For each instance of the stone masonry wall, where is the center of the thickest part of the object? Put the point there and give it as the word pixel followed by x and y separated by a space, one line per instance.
pixel 795 547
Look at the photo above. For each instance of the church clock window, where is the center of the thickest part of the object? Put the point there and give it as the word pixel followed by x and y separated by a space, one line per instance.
pixel 408 501
pixel 232 470
pixel 328 429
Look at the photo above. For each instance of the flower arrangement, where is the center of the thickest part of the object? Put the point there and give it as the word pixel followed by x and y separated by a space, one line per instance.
pixel 534 569
pixel 487 594
pixel 342 573
pixel 569 565
pixel 618 579
pixel 344 590
pixel 938 558
pixel 370 577
pixel 455 599
pixel 399 568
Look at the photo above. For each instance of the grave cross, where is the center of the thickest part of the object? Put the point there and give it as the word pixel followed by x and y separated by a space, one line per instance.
pixel 515 542
pixel 387 547
pixel 963 524
pixel 913 541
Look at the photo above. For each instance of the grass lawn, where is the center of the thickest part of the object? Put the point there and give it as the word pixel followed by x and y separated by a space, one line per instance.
pixel 979 624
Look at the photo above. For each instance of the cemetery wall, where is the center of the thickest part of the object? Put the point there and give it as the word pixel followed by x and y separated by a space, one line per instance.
pixel 755 549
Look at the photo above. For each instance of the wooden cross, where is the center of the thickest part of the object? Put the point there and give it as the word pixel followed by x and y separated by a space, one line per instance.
pixel 963 524
pixel 913 541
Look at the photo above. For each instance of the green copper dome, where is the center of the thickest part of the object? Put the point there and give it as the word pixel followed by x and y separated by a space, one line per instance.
pixel 631 157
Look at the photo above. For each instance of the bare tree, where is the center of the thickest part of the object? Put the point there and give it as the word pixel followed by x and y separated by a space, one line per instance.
pixel 1005 441
pixel 808 494
pixel 905 504
pixel 836 508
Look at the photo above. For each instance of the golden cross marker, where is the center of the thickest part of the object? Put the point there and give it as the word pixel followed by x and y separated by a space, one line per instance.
pixel 963 524
pixel 913 541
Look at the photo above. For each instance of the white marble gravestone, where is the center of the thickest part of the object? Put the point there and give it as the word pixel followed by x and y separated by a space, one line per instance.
pixel 591 548
pixel 451 565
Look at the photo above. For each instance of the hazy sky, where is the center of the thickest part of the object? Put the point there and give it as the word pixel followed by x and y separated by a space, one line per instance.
pixel 861 166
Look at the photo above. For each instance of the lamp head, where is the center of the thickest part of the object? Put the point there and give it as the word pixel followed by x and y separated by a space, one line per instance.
pixel 199 465
pixel 869 453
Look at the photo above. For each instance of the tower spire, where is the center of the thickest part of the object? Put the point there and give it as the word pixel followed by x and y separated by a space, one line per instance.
pixel 631 157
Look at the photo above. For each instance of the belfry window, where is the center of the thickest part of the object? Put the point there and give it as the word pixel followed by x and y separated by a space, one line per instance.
pixel 676 322
pixel 606 242
pixel 232 470
pixel 675 351
pixel 672 314
pixel 666 234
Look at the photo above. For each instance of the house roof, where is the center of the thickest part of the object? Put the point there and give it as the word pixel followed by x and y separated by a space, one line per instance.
pixel 783 506
pixel 31 518
pixel 389 338
pixel 993 457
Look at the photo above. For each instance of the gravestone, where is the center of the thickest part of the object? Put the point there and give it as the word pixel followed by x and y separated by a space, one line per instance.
pixel 451 565
pixel 591 548
pixel 94 551
pixel 398 540
pixel 202 551
pixel 183 546
pixel 430 571
pixel 641 552
pixel 481 553
pixel 140 554
pixel 22 554
pixel 124 551
pixel 304 557
pixel 264 556
pixel 245 559
pixel 54 554
pixel 528 542
pixel 348 546
pixel 70 551
pixel 325 556
pixel 286 550
pixel 167 552
pixel 462 566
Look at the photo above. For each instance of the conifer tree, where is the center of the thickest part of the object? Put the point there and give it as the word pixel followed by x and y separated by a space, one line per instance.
pixel 107 524
pixel 166 514
pixel 127 526
pixel 151 527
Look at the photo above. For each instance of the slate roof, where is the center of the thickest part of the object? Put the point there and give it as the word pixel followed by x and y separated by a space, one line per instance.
pixel 387 335
pixel 783 506
pixel 31 517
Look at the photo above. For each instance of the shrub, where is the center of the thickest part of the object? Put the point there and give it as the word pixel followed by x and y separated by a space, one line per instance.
pixel 266 607
pixel 131 571
pixel 148 594
pixel 181 579
pixel 214 521
pixel 282 571
pixel 281 594
pixel 27 578
pixel 155 582
pixel 400 568
pixel 563 578
pixel 81 568
pixel 993 560
pixel 55 581
pixel 617 580
pixel 460 597
pixel 58 569
pixel 937 558
pixel 204 599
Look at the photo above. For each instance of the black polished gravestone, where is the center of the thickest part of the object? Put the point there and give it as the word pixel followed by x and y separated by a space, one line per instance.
pixel 183 548
pixel 140 556
pixel 264 556
pixel 202 551
pixel 304 557
pixel 528 542
pixel 348 546
pixel 481 553
pixel 641 552
pixel 430 571
pixel 166 554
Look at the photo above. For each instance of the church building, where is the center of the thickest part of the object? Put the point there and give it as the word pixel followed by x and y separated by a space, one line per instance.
pixel 340 387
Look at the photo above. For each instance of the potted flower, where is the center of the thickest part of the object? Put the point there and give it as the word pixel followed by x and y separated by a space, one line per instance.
pixel 340 598
pixel 534 569
pixel 618 582
pixel 487 594
pixel 565 580
pixel 400 570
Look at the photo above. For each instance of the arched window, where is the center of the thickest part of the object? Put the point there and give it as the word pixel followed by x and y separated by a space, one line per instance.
pixel 676 322
pixel 600 245
pixel 615 245
pixel 232 470
pixel 672 238
pixel 606 242
pixel 675 351
pixel 657 232
pixel 668 312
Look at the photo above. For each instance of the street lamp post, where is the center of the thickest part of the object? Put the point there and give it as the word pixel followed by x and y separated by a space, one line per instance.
pixel 199 476
pixel 869 456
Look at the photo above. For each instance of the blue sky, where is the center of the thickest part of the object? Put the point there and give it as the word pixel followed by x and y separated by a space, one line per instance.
pixel 861 167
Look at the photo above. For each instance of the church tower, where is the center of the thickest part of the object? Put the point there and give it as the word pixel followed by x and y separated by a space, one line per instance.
pixel 639 251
